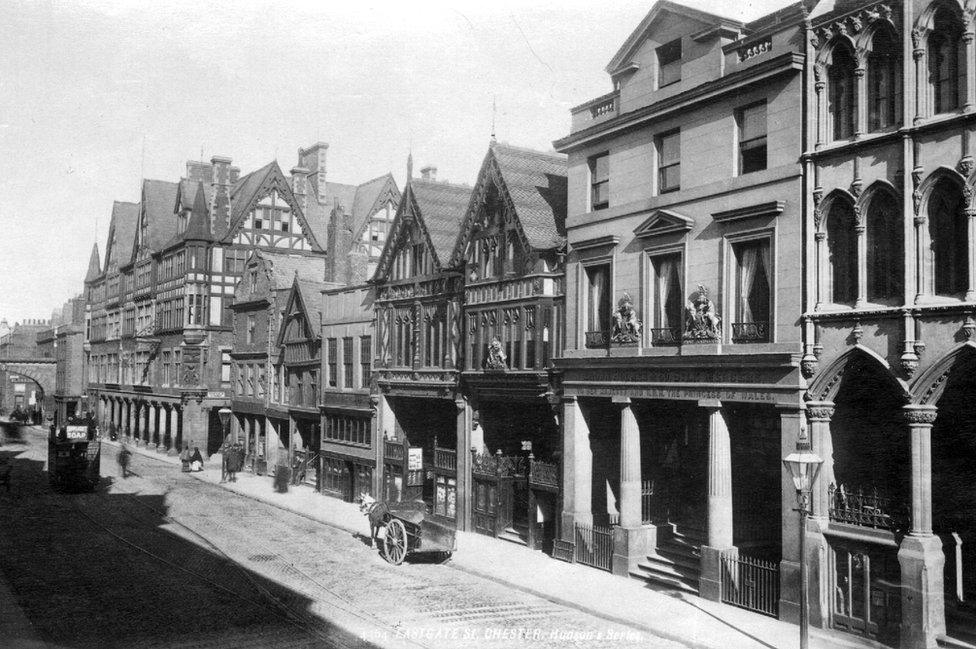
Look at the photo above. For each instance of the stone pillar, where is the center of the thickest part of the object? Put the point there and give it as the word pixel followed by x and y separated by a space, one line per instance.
pixel 135 409
pixel 464 462
pixel 147 422
pixel 195 420
pixel 920 554
pixel 719 477
pixel 629 537
pixel 861 241
pixel 794 433
pixel 921 83
pixel 577 470
pixel 819 414
pixel 970 216
pixel 969 89
pixel 167 415
pixel 860 101
pixel 820 256
pixel 821 105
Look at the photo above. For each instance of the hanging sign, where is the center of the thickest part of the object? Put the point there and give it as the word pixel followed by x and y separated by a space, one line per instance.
pixel 415 458
pixel 526 445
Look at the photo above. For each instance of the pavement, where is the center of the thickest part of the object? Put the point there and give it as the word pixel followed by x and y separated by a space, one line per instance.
pixel 683 618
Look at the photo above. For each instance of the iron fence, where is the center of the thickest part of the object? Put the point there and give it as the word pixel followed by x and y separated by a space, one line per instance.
pixel 865 508
pixel 594 546
pixel 750 583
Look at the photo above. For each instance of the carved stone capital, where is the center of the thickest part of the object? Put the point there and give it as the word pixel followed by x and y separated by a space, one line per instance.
pixel 819 412
pixel 920 415
pixel 909 364
pixel 808 366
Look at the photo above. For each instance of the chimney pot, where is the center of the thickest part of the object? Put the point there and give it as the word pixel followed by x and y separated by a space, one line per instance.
pixel 221 170
pixel 429 173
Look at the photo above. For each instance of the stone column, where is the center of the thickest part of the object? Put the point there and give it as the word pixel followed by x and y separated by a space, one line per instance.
pixel 921 83
pixel 136 416
pixel 970 215
pixel 719 477
pixel 920 555
pixel 969 89
pixel 195 422
pixel 629 544
pixel 821 105
pixel 147 422
pixel 860 101
pixel 820 257
pixel 861 241
pixel 819 414
pixel 464 462
pixel 794 433
pixel 577 470
pixel 719 501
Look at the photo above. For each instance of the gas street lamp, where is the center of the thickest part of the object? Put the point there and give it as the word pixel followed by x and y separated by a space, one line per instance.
pixel 224 414
pixel 803 467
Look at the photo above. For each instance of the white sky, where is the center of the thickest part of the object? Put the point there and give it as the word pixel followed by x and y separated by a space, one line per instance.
pixel 96 95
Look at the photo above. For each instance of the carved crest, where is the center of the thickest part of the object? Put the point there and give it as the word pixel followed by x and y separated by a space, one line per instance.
pixel 496 359
pixel 626 325
pixel 702 321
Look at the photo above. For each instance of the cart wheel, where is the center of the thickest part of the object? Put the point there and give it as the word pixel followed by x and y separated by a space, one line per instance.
pixel 395 542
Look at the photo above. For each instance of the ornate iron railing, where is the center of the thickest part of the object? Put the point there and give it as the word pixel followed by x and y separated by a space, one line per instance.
pixel 512 465
pixel 647 502
pixel 597 339
pixel 543 473
pixel 748 332
pixel 865 508
pixel 665 336
pixel 484 464
pixel 750 583
pixel 444 458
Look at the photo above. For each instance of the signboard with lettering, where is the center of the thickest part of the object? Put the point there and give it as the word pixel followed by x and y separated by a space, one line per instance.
pixel 415 458
pixel 76 432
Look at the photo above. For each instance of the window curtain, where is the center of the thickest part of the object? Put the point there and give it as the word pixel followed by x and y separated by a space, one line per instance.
pixel 749 261
pixel 668 293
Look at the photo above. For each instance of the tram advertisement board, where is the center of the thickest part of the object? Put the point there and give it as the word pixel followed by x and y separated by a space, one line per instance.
pixel 76 432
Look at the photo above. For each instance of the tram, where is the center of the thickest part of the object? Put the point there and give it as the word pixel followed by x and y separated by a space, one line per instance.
pixel 73 455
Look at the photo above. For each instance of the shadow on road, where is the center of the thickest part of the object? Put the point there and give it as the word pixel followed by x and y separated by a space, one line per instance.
pixel 108 569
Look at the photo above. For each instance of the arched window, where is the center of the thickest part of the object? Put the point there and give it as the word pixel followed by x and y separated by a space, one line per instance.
pixel 946 59
pixel 885 262
pixel 840 97
pixel 884 77
pixel 948 234
pixel 842 250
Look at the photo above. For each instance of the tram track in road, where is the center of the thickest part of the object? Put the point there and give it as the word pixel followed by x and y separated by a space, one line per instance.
pixel 301 600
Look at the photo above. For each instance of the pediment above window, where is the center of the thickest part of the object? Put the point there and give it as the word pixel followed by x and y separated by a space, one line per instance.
pixel 772 208
pixel 664 222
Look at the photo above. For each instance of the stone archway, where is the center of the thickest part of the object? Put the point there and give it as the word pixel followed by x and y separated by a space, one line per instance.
pixel 41 372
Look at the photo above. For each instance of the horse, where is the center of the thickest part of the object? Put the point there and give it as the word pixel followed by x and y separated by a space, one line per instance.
pixel 377 512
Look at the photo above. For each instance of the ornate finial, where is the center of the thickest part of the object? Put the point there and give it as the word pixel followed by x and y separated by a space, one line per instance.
pixel 409 165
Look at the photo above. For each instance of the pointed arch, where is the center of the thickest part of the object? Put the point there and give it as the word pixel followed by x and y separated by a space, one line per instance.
pixel 939 30
pixel 828 201
pixel 827 382
pixel 836 63
pixel 882 53
pixel 839 220
pixel 880 208
pixel 945 197
pixel 929 385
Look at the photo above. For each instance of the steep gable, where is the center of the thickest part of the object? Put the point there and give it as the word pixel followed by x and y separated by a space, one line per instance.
pixel 94 265
pixel 157 224
pixel 121 234
pixel 371 196
pixel 304 305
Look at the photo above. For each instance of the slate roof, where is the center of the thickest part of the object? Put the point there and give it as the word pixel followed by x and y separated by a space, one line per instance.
pixel 243 191
pixel 366 196
pixel 198 226
pixel 94 264
pixel 189 188
pixel 283 268
pixel 312 298
pixel 158 199
pixel 536 183
pixel 123 224
pixel 442 206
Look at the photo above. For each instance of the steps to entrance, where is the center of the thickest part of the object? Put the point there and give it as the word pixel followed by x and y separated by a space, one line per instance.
pixel 675 563
pixel 517 533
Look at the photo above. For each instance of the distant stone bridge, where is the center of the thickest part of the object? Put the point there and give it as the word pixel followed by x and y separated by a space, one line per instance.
pixel 40 370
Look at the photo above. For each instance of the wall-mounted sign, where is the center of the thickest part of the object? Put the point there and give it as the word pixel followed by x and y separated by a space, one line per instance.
pixel 415 458
pixel 76 432
pixel 216 394
pixel 526 445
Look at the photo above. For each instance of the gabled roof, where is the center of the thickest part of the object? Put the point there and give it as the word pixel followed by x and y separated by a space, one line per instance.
pixel 307 295
pixel 532 184
pixel 438 209
pixel 664 222
pixel 158 197
pixel 626 52
pixel 94 264
pixel 122 230
pixel 249 189
pixel 282 268
pixel 198 226
pixel 371 196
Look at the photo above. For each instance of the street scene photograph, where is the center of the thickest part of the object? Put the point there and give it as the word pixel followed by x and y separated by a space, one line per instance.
pixel 434 325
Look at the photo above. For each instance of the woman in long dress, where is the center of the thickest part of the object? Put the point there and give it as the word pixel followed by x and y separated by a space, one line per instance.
pixel 196 460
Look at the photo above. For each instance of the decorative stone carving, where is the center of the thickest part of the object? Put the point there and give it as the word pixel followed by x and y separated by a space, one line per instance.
pixel 969 327
pixel 808 366
pixel 909 364
pixel 702 322
pixel 191 365
pixel 626 326
pixel 857 332
pixel 820 413
pixel 920 416
pixel 966 165
pixel 916 192
pixel 496 359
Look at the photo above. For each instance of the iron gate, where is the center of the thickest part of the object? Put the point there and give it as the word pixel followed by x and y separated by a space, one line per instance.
pixel 750 583
pixel 594 546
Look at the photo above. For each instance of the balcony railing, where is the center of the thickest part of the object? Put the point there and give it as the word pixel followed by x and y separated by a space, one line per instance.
pixel 543 473
pixel 597 339
pixel 865 508
pixel 393 450
pixel 750 332
pixel 665 336
pixel 596 110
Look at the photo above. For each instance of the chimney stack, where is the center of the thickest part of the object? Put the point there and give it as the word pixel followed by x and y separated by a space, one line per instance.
pixel 197 171
pixel 429 174
pixel 220 182
pixel 299 185
pixel 235 173
pixel 313 158
pixel 221 170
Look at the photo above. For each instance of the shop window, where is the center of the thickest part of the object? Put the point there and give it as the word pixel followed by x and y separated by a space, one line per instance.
pixel 885 262
pixel 949 237
pixel 751 121
pixel 840 92
pixel 445 496
pixel 842 250
pixel 599 182
pixel 752 291
pixel 669 63
pixel 884 76
pixel 668 300
pixel 946 61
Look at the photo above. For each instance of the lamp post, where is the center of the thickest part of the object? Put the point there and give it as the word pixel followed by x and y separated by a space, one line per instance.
pixel 224 414
pixel 803 467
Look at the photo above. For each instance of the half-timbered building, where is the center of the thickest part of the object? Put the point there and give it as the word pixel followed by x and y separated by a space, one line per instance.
pixel 511 249
pixel 423 419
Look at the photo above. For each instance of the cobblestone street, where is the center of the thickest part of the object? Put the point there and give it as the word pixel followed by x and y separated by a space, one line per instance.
pixel 163 560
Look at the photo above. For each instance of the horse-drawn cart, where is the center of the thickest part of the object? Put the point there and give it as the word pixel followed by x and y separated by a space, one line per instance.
pixel 409 529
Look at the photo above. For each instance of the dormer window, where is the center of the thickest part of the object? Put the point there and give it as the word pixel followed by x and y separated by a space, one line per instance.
pixel 669 63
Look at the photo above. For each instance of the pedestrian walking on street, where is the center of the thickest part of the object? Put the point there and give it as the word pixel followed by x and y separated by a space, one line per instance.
pixel 185 458
pixel 196 460
pixel 224 461
pixel 235 461
pixel 124 456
